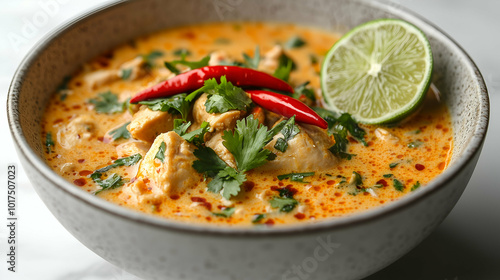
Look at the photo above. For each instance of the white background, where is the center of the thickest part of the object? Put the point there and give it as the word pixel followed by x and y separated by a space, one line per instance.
pixel 465 246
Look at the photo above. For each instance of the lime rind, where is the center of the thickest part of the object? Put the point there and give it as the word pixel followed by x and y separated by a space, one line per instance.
pixel 375 76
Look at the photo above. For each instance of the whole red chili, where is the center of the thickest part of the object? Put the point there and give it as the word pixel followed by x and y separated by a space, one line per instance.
pixel 286 106
pixel 195 79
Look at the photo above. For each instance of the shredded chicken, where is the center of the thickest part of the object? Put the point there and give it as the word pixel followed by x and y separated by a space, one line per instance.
pixel 147 124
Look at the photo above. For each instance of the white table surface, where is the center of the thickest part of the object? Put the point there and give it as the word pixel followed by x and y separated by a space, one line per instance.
pixel 465 246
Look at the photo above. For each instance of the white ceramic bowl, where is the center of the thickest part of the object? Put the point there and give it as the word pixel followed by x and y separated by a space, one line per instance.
pixel 343 248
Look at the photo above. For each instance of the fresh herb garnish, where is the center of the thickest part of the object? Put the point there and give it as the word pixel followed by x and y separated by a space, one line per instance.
pixel 252 62
pixel 125 73
pixel 176 104
pixel 387 175
pixel 283 71
pixel 226 212
pixel 313 58
pixel 126 161
pixel 415 144
pixel 340 147
pixel 246 144
pixel 393 165
pixel 195 136
pixel 108 103
pixel 171 68
pixel 284 204
pixel 112 182
pixel 415 186
pixel 295 42
pixel 151 57
pixel 120 132
pixel 296 177
pixel 191 64
pixel 222 97
pixel 398 185
pixel 302 89
pixel 49 143
pixel 257 218
pixel 161 152
pixel 182 52
pixel 289 130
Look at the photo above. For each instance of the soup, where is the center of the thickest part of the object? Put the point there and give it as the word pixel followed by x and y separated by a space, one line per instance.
pixel 162 158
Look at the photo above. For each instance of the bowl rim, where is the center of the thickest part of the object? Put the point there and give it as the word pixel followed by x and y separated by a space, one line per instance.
pixel 471 150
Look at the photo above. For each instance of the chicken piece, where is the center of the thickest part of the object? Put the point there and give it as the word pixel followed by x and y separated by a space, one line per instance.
pixel 101 77
pixel 217 122
pixel 386 136
pixel 79 128
pixel 217 58
pixel 157 179
pixel 131 148
pixel 215 142
pixel 136 68
pixel 271 59
pixel 307 151
pixel 146 124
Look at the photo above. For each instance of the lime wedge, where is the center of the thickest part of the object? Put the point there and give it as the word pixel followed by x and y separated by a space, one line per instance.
pixel 379 72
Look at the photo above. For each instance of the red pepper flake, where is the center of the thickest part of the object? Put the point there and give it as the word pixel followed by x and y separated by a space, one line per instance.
pixel 441 165
pixel 382 182
pixel 175 197
pixel 269 222
pixel 58 121
pixel 419 167
pixel 352 140
pixel 80 182
pixel 81 160
pixel 337 194
pixel 100 138
pixel 84 172
pixel 198 199
pixel 330 182
pixel 76 107
pixel 300 216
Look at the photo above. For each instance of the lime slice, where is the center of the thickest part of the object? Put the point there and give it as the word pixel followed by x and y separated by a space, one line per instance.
pixel 379 72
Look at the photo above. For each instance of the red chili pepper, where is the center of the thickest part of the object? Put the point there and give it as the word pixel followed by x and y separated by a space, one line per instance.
pixel 287 106
pixel 195 79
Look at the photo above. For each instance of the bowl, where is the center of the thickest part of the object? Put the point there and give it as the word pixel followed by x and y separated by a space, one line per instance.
pixel 349 247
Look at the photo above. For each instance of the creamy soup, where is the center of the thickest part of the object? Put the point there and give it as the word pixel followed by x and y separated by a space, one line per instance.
pixel 133 154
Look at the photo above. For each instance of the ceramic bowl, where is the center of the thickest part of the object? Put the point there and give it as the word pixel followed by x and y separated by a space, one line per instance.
pixel 350 247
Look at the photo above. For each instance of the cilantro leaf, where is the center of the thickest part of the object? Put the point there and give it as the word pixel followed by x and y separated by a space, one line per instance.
pixel 175 105
pixel 149 59
pixel 394 164
pixel 229 180
pixel 345 120
pixel 125 73
pixel 252 62
pixel 49 143
pixel 126 161
pixel 171 68
pixel 387 175
pixel 196 136
pixel 120 132
pixel 182 52
pixel 415 186
pixel 63 87
pixel 192 64
pixel 112 182
pixel 180 127
pixel 226 212
pixel 284 204
pixel 295 42
pixel 161 151
pixel 283 71
pixel 247 143
pixel 340 147
pixel 289 130
pixel 208 161
pixel 296 177
pixel 108 103
pixel 302 89
pixel 398 185
pixel 225 96
pixel 257 218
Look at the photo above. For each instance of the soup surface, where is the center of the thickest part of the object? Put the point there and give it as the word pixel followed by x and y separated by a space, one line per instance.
pixel 129 155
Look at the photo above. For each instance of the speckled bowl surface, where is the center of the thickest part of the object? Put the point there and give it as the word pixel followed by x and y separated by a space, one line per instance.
pixel 351 247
